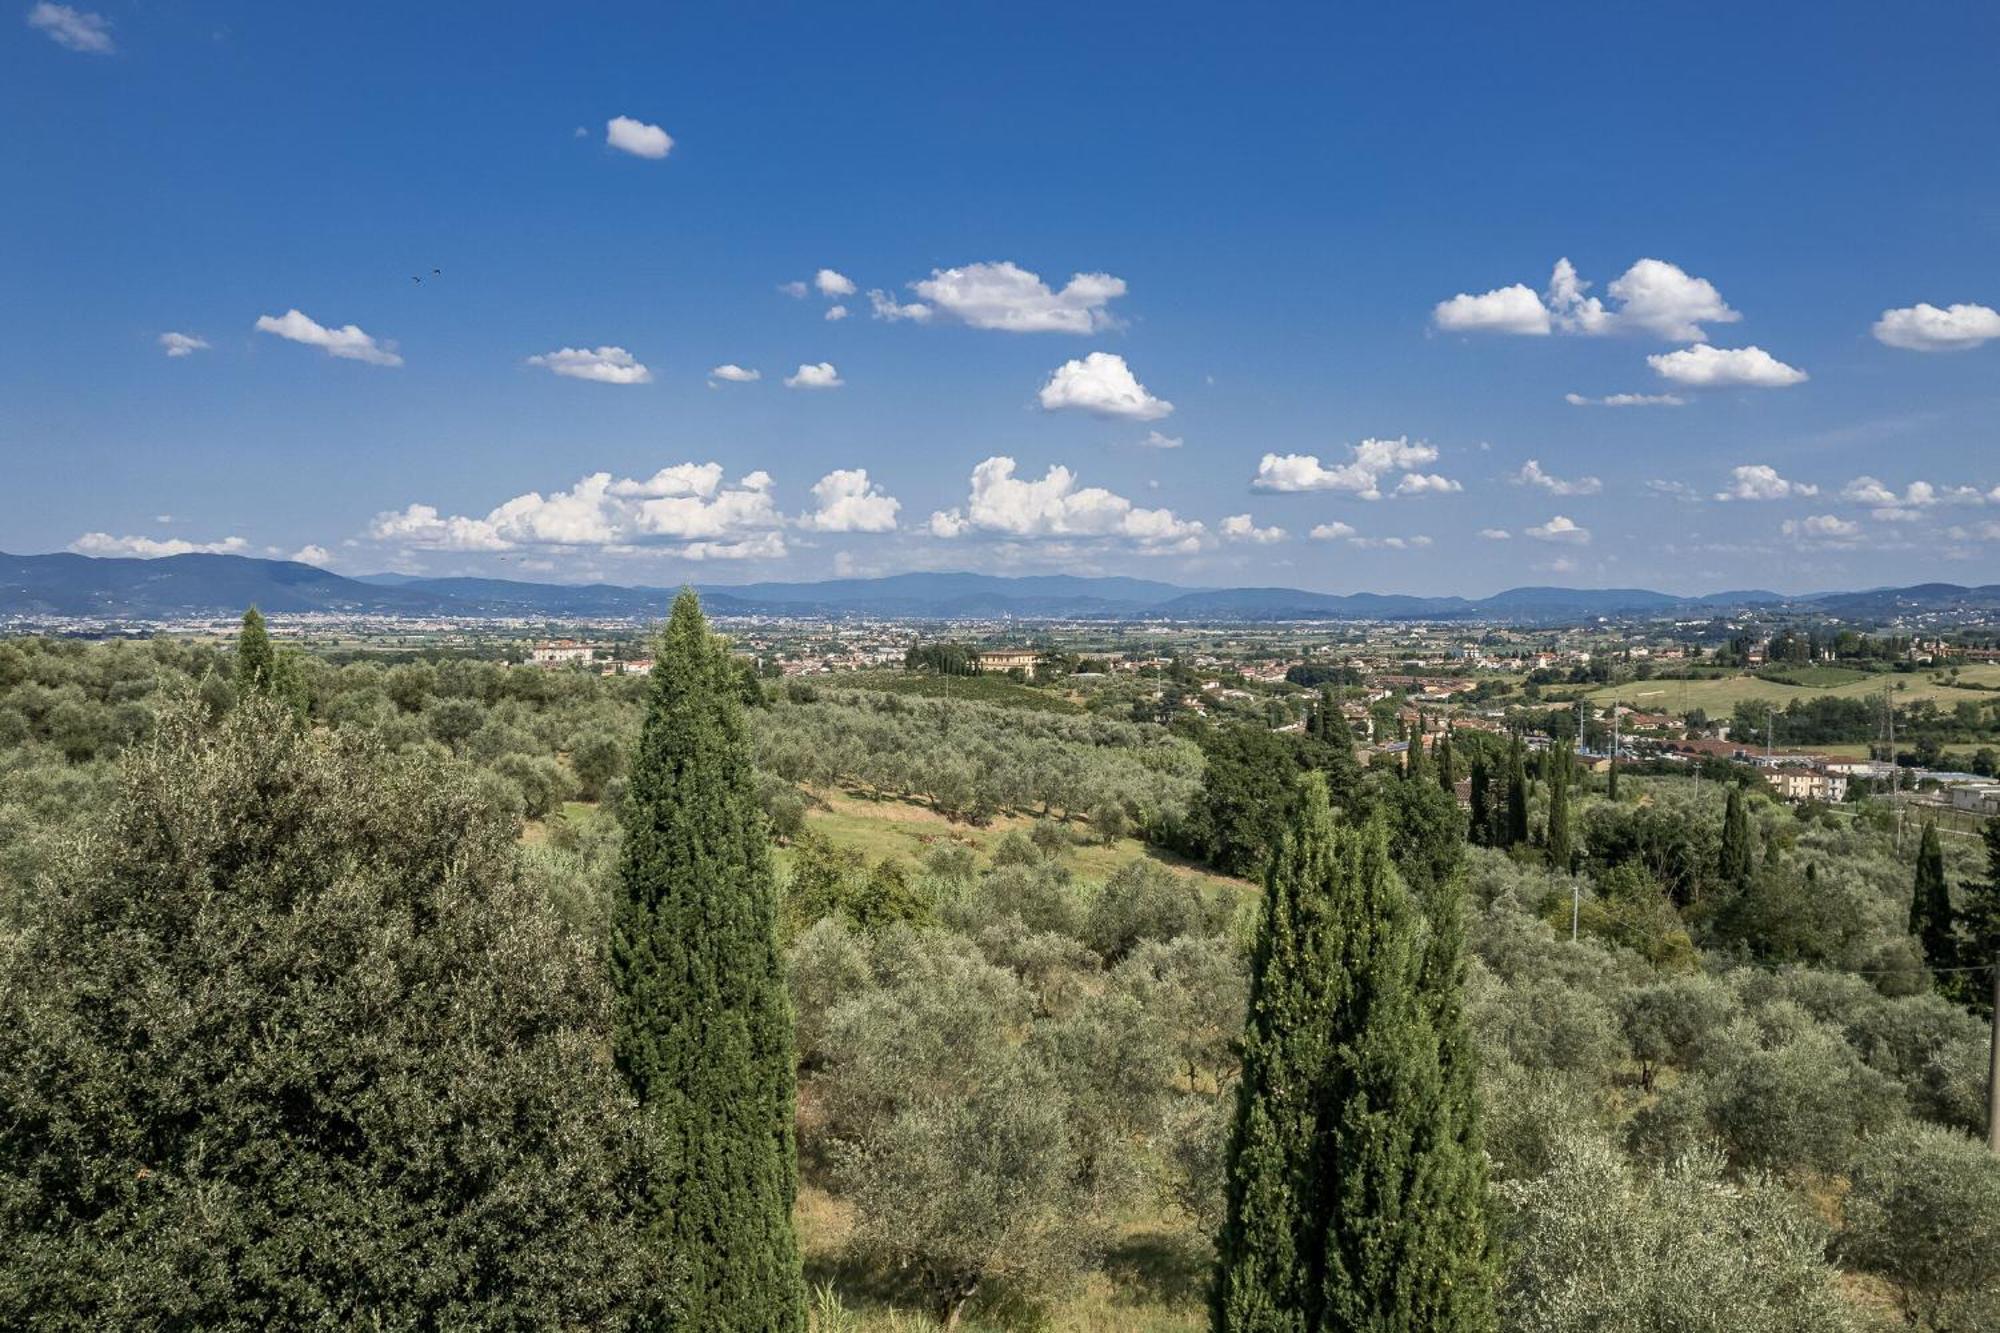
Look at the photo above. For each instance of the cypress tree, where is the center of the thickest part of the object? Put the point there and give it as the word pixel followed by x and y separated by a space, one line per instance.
pixel 1479 827
pixel 1980 924
pixel 1931 919
pixel 1738 862
pixel 704 1026
pixel 1413 758
pixel 256 662
pixel 1517 795
pixel 1447 767
pixel 1558 834
pixel 1355 1186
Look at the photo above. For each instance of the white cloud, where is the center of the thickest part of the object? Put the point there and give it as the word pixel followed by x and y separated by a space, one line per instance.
pixel 604 365
pixel 182 344
pixel 886 307
pixel 637 137
pixel 1626 400
pixel 76 29
pixel 348 342
pixel 1156 440
pixel 1925 328
pixel 312 554
pixel 1007 297
pixel 820 376
pixel 734 374
pixel 685 504
pixel 1005 505
pixel 1651 297
pixel 1759 481
pixel 151 548
pixel 1389 543
pixel 1715 367
pixel 1496 534
pixel 1673 490
pixel 1531 474
pixel 1917 496
pixel 1242 528
pixel 1822 528
pixel 1560 529
pixel 1101 383
pixel 1514 309
pixel 1328 532
pixel 795 289
pixel 833 283
pixel 835 313
pixel 1425 483
pixel 1368 464
pixel 848 502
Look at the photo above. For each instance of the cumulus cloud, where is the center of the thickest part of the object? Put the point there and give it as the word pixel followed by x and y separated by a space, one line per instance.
pixel 1368 465
pixel 831 282
pixel 1718 367
pixel 732 373
pixel 1531 474
pixel 1513 309
pixel 347 342
pixel 1102 384
pixel 1242 528
pixel 849 502
pixel 1759 481
pixel 1389 543
pixel 819 376
pixel 1827 528
pixel 1007 297
pixel 312 554
pixel 1626 400
pixel 1158 440
pixel 182 344
pixel 151 548
pixel 836 312
pixel 1651 297
pixel 637 137
pixel 604 365
pixel 76 29
pixel 1887 505
pixel 1330 532
pixel 1560 529
pixel 795 289
pixel 686 503
pixel 887 307
pixel 1002 504
pixel 1925 328
pixel 1496 534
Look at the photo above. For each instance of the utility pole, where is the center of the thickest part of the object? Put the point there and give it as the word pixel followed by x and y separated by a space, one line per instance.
pixel 1575 905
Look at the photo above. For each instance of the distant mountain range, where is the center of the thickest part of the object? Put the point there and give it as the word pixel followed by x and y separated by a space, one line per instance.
pixel 87 587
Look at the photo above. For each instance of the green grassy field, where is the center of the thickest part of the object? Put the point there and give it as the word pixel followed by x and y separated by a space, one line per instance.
pixel 1718 698
pixel 979 689
pixel 894 827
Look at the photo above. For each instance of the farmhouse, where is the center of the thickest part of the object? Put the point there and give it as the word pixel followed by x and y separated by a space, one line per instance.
pixel 561 652
pixel 1007 659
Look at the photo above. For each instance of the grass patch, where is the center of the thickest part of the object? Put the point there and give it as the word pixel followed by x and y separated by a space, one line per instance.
pixel 996 690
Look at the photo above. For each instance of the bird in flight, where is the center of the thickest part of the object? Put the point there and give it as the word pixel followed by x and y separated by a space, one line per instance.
pixel 414 278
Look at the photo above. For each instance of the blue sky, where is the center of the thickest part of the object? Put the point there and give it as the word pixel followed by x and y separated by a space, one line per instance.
pixel 1271 208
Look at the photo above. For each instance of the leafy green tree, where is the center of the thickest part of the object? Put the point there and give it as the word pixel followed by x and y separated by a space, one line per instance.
pixel 1447 766
pixel 704 1024
pixel 1355 1197
pixel 256 661
pixel 1979 923
pixel 286 1042
pixel 1924 1211
pixel 1479 826
pixel 1931 917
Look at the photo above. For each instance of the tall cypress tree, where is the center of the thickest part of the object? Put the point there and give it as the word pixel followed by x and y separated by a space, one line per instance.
pixel 1517 795
pixel 1355 1186
pixel 704 1025
pixel 1414 766
pixel 1447 764
pixel 256 662
pixel 1931 918
pixel 1479 828
pixel 1738 862
pixel 1979 924
pixel 1558 840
